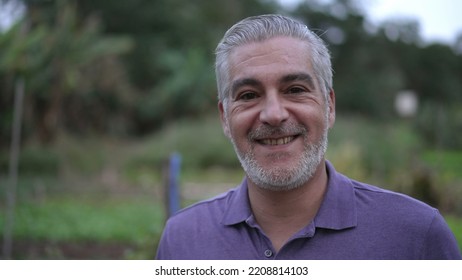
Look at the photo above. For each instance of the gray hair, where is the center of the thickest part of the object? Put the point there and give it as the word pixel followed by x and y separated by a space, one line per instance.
pixel 264 27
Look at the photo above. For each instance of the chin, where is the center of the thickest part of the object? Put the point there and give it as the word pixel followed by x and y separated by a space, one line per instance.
pixel 280 179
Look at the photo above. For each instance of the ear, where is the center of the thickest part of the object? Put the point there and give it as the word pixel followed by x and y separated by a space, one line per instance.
pixel 331 108
pixel 223 118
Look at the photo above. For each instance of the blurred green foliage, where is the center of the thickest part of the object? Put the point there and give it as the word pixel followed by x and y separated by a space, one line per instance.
pixel 114 87
pixel 201 143
pixel 35 160
pixel 113 220
pixel 136 223
pixel 127 68
pixel 394 156
pixel 441 125
pixel 455 224
pixel 111 190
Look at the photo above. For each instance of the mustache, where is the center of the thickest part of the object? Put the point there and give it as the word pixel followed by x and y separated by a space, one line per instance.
pixel 267 131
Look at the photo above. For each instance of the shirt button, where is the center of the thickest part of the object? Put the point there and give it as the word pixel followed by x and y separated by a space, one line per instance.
pixel 268 253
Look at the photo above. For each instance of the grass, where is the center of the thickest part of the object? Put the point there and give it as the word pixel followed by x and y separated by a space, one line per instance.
pixel 135 222
pixel 70 219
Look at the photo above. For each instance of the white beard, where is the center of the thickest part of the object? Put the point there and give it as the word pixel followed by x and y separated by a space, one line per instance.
pixel 285 178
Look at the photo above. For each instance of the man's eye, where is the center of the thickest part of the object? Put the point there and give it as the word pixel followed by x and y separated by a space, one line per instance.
pixel 247 96
pixel 296 90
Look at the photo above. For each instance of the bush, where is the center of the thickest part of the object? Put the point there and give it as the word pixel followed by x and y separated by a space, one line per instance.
pixel 441 125
pixel 200 143
pixel 394 155
pixel 374 151
pixel 445 178
pixel 34 160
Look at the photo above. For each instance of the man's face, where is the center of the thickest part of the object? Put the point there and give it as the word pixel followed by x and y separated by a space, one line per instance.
pixel 277 116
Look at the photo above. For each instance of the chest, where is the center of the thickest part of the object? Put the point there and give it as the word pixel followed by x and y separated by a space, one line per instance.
pixel 244 242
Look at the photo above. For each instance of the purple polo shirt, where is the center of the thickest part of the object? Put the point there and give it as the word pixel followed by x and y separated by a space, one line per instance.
pixel 355 221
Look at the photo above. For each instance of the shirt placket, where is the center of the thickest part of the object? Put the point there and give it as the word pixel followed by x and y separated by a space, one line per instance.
pixel 263 245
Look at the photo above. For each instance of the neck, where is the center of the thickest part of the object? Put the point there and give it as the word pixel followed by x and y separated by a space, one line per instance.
pixel 281 214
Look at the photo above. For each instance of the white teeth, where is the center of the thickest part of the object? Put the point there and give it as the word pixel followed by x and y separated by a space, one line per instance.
pixel 279 141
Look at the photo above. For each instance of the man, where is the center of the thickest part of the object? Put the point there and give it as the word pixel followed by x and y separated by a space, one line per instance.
pixel 277 104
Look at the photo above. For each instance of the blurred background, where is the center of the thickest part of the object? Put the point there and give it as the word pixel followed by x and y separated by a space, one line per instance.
pixel 110 89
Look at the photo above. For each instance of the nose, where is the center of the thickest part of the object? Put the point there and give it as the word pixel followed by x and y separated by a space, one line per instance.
pixel 273 111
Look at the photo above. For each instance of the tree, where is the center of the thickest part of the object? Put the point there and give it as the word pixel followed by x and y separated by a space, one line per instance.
pixel 171 65
pixel 52 58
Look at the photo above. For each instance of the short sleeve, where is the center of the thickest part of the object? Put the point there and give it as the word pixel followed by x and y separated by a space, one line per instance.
pixel 440 243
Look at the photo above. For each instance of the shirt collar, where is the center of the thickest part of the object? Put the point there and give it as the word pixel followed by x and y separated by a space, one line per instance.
pixel 238 208
pixel 337 211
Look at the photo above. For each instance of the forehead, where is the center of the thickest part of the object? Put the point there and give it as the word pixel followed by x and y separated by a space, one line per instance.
pixel 273 57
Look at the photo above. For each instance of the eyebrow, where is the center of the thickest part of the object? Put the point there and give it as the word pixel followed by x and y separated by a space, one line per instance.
pixel 303 77
pixel 243 82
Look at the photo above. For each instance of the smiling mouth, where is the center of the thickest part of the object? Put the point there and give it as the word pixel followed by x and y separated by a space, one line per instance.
pixel 277 141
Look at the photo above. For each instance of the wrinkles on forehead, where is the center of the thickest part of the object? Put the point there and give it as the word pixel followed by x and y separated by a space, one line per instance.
pixel 278 60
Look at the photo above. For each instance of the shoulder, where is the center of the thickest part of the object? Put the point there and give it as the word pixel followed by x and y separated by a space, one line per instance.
pixel 405 220
pixel 396 211
pixel 205 210
pixel 201 219
pixel 189 233
pixel 382 199
pixel 373 200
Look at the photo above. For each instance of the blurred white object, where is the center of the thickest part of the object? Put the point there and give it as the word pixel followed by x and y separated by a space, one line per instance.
pixel 406 103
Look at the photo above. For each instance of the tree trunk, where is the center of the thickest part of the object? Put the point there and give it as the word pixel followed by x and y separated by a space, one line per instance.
pixel 14 160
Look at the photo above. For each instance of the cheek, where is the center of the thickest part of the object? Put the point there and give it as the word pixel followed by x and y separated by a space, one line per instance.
pixel 241 122
pixel 237 131
pixel 314 119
